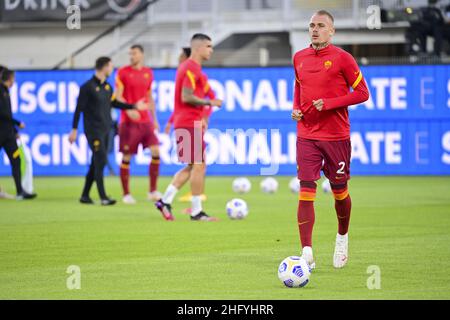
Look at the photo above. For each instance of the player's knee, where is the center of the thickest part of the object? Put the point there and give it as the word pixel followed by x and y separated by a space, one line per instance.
pixel 155 152
pixel 199 168
pixel 340 191
pixel 307 190
pixel 100 158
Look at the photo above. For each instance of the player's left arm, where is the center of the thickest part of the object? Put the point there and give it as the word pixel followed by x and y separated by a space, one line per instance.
pixel 354 78
pixel 296 114
pixel 207 111
pixel 187 92
pixel 152 104
pixel 152 107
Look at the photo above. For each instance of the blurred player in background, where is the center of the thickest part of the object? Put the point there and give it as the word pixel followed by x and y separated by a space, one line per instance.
pixel 207 110
pixel 190 99
pixel 95 102
pixel 9 133
pixel 324 73
pixel 133 83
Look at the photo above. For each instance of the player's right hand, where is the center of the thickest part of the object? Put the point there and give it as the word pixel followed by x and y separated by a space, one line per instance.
pixel 133 114
pixel 216 102
pixel 73 136
pixel 297 115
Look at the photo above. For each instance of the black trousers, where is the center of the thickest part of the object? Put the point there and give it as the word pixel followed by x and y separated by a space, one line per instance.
pixel 8 142
pixel 99 146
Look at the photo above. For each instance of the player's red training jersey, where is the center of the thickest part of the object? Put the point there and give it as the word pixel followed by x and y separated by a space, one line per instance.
pixel 326 74
pixel 189 75
pixel 207 110
pixel 136 84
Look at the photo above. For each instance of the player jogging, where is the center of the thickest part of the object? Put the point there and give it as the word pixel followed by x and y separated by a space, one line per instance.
pixel 324 73
pixel 207 111
pixel 133 83
pixel 188 113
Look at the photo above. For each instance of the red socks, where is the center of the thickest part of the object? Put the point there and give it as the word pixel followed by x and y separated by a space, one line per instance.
pixel 305 211
pixel 125 176
pixel 154 173
pixel 306 215
pixel 343 205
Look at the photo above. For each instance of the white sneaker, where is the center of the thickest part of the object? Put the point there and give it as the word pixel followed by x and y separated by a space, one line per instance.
pixel 307 254
pixel 340 257
pixel 154 196
pixel 5 195
pixel 128 199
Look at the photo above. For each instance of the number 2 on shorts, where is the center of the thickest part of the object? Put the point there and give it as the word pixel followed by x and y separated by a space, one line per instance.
pixel 341 170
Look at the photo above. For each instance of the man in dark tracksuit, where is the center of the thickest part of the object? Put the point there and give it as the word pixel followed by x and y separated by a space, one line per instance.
pixel 95 101
pixel 8 131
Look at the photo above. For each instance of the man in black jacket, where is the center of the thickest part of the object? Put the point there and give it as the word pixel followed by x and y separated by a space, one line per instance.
pixel 95 101
pixel 432 23
pixel 8 131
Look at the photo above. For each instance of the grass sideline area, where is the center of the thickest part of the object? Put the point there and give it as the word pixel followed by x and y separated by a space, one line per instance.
pixel 400 224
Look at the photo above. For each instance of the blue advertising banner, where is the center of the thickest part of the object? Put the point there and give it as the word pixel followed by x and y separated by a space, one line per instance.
pixel 403 129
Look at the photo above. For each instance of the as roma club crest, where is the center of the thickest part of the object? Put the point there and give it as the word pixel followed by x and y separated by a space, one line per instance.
pixel 327 64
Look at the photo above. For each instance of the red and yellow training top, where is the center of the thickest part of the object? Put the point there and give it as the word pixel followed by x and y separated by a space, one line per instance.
pixel 326 74
pixel 136 84
pixel 190 76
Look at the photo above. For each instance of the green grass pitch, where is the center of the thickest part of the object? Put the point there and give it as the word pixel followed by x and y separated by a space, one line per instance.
pixel 400 224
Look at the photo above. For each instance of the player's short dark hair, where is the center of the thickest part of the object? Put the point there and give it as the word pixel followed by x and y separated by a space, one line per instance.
pixel 6 74
pixel 325 13
pixel 200 36
pixel 101 62
pixel 187 51
pixel 137 46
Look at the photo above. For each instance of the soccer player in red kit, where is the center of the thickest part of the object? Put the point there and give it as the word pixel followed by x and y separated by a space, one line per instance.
pixel 207 110
pixel 189 104
pixel 324 74
pixel 134 83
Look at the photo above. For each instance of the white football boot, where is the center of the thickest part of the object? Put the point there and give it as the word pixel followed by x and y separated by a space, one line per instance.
pixel 128 199
pixel 340 257
pixel 307 254
pixel 154 196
